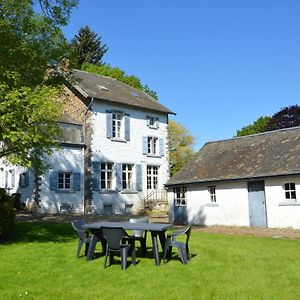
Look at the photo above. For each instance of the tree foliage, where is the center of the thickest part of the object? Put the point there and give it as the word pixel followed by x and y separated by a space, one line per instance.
pixel 258 126
pixel 287 117
pixel 117 73
pixel 30 43
pixel 87 47
pixel 180 146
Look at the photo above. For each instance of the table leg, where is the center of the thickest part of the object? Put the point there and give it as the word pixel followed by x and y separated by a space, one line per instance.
pixel 92 246
pixel 155 247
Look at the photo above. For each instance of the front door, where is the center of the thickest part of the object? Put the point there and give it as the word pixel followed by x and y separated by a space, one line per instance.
pixel 180 206
pixel 257 204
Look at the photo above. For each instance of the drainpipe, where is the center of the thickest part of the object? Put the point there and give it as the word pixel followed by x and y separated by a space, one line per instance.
pixel 87 201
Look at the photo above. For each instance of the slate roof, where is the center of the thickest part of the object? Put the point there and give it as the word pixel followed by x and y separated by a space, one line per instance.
pixel 256 156
pixel 112 90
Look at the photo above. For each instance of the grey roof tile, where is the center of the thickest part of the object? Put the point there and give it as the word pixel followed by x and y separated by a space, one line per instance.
pixel 112 90
pixel 261 155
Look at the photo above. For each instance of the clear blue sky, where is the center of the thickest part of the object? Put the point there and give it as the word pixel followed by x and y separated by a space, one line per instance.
pixel 218 64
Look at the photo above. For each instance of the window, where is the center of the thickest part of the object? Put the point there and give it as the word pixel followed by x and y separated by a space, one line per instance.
pixel 117 127
pixel 152 122
pixel 106 175
pixel 152 177
pixel 24 179
pixel 127 183
pixel 212 192
pixel 152 145
pixel 180 196
pixel 290 191
pixel 64 181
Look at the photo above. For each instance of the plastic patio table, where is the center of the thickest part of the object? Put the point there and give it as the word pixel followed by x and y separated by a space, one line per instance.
pixel 156 229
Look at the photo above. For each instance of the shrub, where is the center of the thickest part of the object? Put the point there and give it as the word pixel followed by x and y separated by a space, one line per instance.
pixel 7 213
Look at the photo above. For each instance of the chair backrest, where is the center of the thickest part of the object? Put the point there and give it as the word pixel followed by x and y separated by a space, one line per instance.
pixel 113 236
pixel 188 231
pixel 139 233
pixel 77 225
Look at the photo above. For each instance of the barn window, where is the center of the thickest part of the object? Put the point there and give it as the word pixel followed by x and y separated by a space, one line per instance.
pixel 212 192
pixel 290 191
pixel 180 196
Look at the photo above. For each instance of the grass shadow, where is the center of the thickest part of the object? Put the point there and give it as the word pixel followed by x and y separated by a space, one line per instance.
pixel 29 232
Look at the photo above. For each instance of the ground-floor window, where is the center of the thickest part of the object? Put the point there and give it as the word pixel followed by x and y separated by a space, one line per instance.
pixel 152 177
pixel 290 191
pixel 64 181
pixel 127 182
pixel 180 196
pixel 106 175
pixel 212 192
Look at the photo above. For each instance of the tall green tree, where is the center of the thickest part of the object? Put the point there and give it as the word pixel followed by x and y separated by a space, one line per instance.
pixel 180 146
pixel 87 47
pixel 31 42
pixel 260 125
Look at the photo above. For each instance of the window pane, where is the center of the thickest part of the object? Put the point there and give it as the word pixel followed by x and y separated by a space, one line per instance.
pixel 293 194
pixel 287 195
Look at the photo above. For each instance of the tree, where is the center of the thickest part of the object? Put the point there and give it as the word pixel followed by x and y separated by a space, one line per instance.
pixel 287 117
pixel 180 146
pixel 117 73
pixel 30 43
pixel 87 47
pixel 258 126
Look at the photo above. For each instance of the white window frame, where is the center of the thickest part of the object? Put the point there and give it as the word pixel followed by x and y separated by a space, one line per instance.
pixel 152 122
pixel 152 177
pixel 152 145
pixel 290 191
pixel 180 195
pixel 117 125
pixel 212 193
pixel 106 181
pixel 64 181
pixel 127 176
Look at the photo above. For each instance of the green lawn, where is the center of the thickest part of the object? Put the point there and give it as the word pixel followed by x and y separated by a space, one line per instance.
pixel 40 263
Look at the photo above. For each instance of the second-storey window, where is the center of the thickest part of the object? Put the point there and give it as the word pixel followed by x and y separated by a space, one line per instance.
pixel 152 145
pixel 117 127
pixel 127 183
pixel 64 181
pixel 106 175
pixel 290 191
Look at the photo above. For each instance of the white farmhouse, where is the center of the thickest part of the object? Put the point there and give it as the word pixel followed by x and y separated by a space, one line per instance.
pixel 114 151
pixel 245 181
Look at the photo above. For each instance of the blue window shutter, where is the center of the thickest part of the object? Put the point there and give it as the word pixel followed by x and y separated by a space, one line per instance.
pixel 53 181
pixel 145 145
pixel 96 175
pixel 161 147
pixel 157 122
pixel 127 127
pixel 119 177
pixel 139 177
pixel 108 124
pixel 76 182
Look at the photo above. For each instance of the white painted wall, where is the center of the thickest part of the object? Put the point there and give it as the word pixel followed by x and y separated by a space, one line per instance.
pixel 281 212
pixel 232 207
pixel 105 149
pixel 68 160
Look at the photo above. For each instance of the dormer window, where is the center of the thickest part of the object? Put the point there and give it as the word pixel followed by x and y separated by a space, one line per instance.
pixel 152 122
pixel 290 191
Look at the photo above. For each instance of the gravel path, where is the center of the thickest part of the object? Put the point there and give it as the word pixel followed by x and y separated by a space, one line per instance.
pixel 276 233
